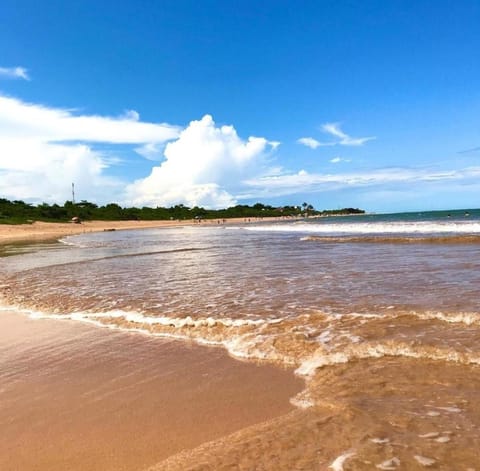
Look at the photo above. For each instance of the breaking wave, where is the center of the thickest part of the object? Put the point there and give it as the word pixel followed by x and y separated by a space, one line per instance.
pixel 451 239
pixel 308 347
pixel 404 227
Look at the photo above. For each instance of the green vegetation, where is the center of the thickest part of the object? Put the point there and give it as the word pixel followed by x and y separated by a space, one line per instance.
pixel 19 212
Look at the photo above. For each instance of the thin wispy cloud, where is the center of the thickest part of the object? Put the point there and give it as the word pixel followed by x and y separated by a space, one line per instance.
pixel 313 143
pixel 341 138
pixel 468 151
pixel 14 73
pixel 287 184
pixel 345 139
pixel 337 160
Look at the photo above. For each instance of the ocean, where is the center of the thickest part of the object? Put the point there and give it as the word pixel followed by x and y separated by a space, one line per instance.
pixel 378 314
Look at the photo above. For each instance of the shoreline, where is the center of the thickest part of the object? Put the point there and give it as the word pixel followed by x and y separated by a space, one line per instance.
pixel 40 231
pixel 50 231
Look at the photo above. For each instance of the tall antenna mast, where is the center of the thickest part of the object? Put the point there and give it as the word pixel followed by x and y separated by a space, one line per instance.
pixel 73 193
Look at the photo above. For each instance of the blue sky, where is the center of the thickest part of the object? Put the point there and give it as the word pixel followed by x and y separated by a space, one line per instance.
pixel 372 104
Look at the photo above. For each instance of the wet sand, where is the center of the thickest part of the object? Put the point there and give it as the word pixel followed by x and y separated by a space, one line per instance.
pixel 84 398
pixel 45 231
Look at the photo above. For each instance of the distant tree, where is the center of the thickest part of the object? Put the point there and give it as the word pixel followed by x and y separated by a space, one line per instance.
pixel 20 212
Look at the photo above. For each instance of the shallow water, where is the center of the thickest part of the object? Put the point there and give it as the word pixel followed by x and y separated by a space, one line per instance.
pixel 380 315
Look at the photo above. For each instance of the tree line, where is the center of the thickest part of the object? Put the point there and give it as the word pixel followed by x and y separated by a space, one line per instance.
pixel 19 212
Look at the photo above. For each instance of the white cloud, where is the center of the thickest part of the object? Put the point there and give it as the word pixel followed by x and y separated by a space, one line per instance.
pixel 313 143
pixel 14 73
pixel 288 184
pixel 151 151
pixel 130 115
pixel 337 160
pixel 334 130
pixel 344 139
pixel 205 166
pixel 44 171
pixel 43 150
pixel 31 121
pixel 309 142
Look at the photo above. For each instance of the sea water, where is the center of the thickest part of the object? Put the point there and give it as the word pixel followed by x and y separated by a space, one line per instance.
pixel 380 314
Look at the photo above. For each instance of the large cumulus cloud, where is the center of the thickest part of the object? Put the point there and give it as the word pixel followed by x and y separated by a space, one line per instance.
pixel 205 166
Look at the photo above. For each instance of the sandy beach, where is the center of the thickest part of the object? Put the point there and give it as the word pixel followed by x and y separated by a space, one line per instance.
pixel 43 231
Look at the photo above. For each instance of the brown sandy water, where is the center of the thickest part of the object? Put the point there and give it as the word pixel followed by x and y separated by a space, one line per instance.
pixel 73 397
pixel 375 414
pixel 386 334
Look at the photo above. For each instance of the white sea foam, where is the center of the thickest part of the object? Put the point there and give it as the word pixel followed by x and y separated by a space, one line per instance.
pixel 254 347
pixel 246 338
pixel 390 464
pixel 310 366
pixel 365 315
pixel 337 463
pixel 424 461
pixel 180 322
pixel 302 400
pixel 467 318
pixel 71 243
pixel 380 441
pixel 252 339
pixel 454 410
pixel 325 337
pixel 394 227
pixel 139 318
pixel 89 318
pixel 240 343
pixel 363 351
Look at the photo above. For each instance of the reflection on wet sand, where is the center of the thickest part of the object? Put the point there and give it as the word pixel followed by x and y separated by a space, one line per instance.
pixel 73 397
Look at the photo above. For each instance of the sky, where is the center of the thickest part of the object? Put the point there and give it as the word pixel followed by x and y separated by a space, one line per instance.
pixel 372 104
